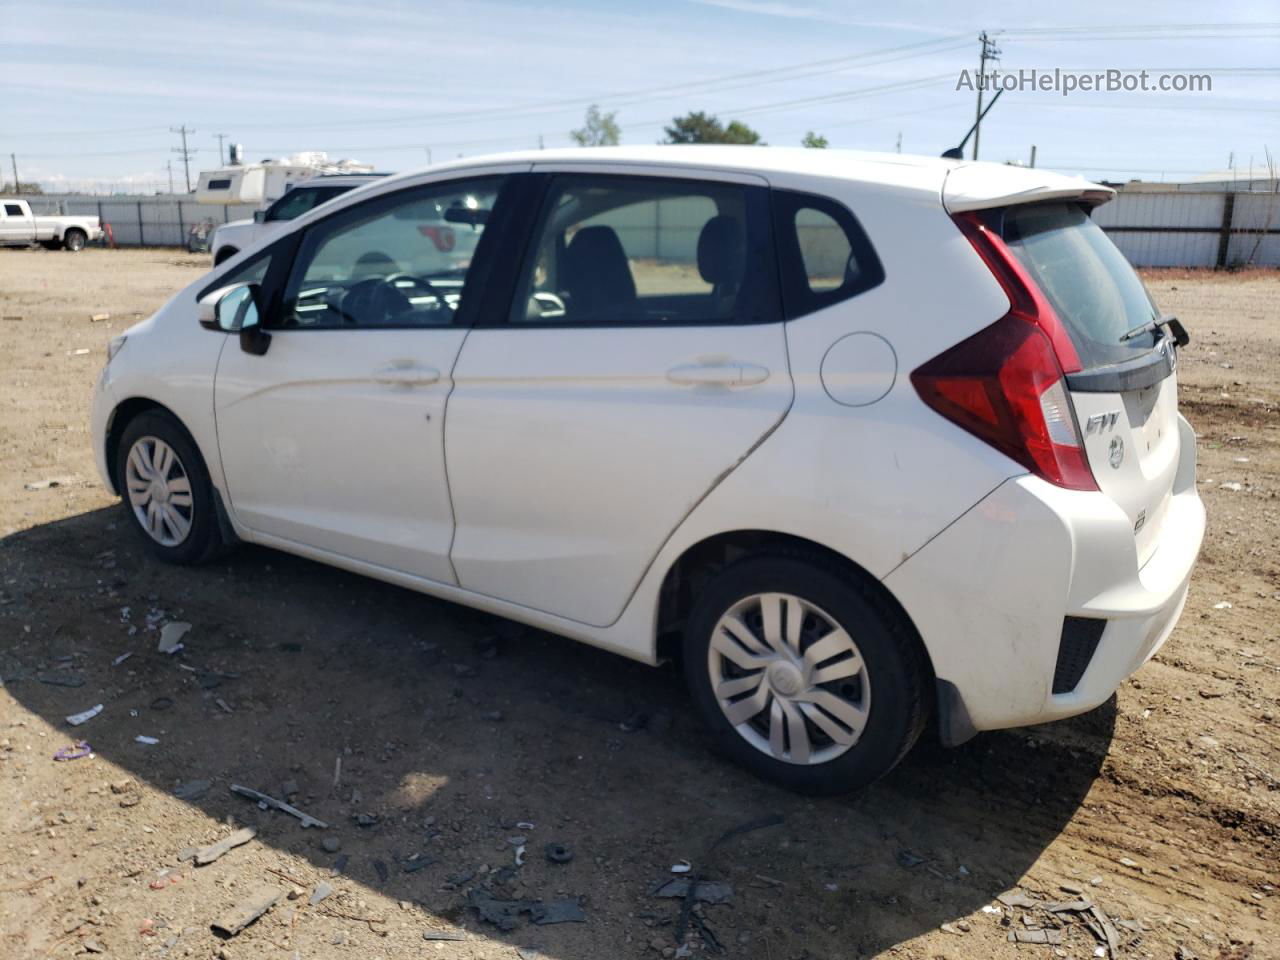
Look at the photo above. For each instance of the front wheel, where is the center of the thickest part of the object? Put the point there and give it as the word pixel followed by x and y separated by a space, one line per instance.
pixel 804 675
pixel 166 489
pixel 74 240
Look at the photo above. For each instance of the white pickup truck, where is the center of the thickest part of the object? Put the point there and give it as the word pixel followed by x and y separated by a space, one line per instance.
pixel 19 227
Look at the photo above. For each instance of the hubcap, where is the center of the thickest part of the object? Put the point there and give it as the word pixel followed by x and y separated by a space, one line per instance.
pixel 159 491
pixel 789 678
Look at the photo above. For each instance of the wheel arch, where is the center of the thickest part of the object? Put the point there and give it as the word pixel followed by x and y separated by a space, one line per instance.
pixel 123 414
pixel 700 561
pixel 224 254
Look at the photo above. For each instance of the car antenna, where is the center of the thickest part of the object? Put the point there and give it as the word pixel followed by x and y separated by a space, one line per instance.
pixel 957 152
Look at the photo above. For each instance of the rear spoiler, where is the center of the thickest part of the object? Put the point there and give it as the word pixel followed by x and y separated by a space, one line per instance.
pixel 981 186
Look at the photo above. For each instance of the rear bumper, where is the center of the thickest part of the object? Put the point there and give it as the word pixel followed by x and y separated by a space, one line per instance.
pixel 989 595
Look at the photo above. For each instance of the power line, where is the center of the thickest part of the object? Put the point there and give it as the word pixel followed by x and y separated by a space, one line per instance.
pixel 186 154
pixel 989 52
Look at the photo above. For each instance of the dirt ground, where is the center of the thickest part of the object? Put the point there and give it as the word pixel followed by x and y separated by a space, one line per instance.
pixel 455 732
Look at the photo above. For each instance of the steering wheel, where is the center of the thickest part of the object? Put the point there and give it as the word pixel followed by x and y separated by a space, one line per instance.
pixel 420 283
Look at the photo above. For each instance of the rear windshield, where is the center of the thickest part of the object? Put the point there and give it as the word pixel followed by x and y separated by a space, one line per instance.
pixel 1087 280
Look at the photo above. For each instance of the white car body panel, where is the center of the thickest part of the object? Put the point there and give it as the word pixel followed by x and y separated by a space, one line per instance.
pixel 328 440
pixel 552 439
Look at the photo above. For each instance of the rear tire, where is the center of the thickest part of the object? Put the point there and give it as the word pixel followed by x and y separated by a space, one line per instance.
pixel 74 240
pixel 800 725
pixel 166 490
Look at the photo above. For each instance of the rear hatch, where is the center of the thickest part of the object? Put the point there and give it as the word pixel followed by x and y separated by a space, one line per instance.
pixel 1124 393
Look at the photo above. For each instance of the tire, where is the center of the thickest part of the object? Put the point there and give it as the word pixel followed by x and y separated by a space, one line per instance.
pixel 887 692
pixel 74 240
pixel 201 540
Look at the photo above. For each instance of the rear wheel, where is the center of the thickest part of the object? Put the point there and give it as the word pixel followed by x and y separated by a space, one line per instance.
pixel 804 675
pixel 166 489
pixel 74 240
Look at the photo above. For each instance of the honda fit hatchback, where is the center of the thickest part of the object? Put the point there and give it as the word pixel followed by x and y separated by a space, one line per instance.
pixel 865 442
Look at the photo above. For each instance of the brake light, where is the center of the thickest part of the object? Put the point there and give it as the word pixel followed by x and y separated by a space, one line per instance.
pixel 1005 383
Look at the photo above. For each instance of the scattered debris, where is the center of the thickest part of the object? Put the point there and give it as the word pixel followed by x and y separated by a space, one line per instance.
pixel 684 866
pixel 1223 605
pixel 557 853
pixel 78 718
pixel 337 771
pixel 78 352
pixel 1053 937
pixel 171 635
pixel 1233 487
pixel 265 801
pixel 418 862
pixel 1016 898
pixel 208 854
pixel 122 658
pixel 149 741
pixel 98 317
pixel 246 911
pixel 222 705
pixel 161 703
pixel 442 935
pixel 909 860
pixel 322 890
pixel 74 752
pixel 706 891
pixel 49 484
pixel 61 679
pixel 331 844
pixel 192 789
pixel 520 855
pixel 380 869
pixel 505 914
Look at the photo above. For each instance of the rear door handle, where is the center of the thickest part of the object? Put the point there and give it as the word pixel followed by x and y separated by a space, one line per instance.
pixel 407 376
pixel 723 374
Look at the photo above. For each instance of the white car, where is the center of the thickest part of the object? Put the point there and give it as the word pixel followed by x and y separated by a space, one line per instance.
pixel 237 235
pixel 863 440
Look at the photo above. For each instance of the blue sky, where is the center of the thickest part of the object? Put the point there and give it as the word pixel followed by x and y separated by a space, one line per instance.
pixel 89 90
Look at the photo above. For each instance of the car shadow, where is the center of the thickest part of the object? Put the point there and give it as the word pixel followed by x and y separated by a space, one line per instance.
pixel 448 732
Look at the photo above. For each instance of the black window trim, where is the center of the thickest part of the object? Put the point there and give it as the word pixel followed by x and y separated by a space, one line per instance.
pixel 521 245
pixel 481 264
pixel 798 298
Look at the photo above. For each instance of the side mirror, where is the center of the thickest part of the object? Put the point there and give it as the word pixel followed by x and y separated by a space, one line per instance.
pixel 259 216
pixel 236 309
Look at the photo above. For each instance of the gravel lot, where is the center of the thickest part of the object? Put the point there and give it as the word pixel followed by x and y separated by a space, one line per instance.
pixel 456 732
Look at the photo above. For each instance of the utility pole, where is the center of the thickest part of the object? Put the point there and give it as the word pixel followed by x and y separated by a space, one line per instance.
pixel 169 165
pixel 221 160
pixel 899 146
pixel 17 184
pixel 184 152
pixel 989 52
pixel 1033 155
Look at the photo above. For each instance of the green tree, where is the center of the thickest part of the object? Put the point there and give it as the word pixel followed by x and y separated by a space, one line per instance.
pixel 599 130
pixel 815 140
pixel 699 127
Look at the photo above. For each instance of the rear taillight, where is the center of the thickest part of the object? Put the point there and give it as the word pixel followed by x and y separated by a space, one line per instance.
pixel 1005 383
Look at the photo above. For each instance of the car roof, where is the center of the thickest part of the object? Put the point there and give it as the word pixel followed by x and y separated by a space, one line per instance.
pixel 338 179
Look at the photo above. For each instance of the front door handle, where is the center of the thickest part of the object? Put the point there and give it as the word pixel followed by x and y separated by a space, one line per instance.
pixel 407 376
pixel 722 374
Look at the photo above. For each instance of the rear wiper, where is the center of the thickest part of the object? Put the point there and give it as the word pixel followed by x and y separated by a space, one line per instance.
pixel 1179 332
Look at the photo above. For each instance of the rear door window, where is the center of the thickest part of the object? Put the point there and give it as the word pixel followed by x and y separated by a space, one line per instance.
pixel 824 253
pixel 1089 283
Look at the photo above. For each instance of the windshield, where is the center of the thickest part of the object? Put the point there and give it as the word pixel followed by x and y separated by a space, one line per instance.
pixel 1088 281
pixel 301 199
